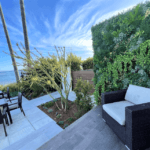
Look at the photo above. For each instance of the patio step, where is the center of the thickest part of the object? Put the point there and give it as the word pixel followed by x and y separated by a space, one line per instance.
pixel 36 139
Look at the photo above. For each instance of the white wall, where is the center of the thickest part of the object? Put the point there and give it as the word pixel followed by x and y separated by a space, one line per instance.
pixel 68 80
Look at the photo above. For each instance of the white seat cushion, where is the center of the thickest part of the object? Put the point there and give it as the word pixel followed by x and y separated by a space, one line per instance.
pixel 137 94
pixel 117 110
pixel 13 106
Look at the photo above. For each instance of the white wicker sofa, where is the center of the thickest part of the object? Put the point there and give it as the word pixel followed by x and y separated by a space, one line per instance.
pixel 127 113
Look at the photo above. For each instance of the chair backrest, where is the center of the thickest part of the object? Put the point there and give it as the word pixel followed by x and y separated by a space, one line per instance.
pixel 8 95
pixel 137 94
pixel 20 99
pixel 1 118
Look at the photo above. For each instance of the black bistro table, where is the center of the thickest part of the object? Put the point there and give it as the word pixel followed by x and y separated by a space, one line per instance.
pixel 4 103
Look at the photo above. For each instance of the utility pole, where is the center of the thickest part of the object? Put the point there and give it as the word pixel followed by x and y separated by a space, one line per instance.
pixel 9 45
pixel 25 29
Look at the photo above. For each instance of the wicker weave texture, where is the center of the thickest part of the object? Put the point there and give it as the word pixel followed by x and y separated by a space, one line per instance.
pixel 136 132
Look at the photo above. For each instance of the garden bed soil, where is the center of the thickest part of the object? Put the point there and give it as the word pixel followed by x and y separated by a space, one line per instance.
pixel 64 115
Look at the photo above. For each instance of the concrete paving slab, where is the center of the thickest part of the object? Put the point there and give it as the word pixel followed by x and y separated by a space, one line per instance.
pixel 32 111
pixel 28 106
pixel 17 117
pixel 4 143
pixel 2 132
pixel 52 133
pixel 40 123
pixel 39 103
pixel 20 134
pixel 15 112
pixel 36 116
pixel 52 127
pixel 18 126
pixel 35 143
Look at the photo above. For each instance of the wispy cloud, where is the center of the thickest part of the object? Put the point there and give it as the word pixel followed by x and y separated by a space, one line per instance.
pixel 74 32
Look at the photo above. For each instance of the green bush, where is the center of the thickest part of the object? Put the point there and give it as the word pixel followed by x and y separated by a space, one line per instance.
pixel 58 116
pixel 49 104
pixel 42 104
pixel 35 88
pixel 82 90
pixel 75 62
pixel 66 125
pixel 50 110
pixel 13 89
pixel 78 114
pixel 61 122
pixel 70 119
pixel 55 100
pixel 88 64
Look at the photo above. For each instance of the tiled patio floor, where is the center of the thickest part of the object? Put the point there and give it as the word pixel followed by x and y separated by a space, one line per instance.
pixel 34 128
pixel 36 131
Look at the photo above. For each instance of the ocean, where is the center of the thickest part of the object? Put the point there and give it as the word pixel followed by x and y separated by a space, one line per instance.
pixel 7 77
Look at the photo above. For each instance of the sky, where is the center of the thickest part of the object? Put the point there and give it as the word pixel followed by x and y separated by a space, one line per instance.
pixel 63 23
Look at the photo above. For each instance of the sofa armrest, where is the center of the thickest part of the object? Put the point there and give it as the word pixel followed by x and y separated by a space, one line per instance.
pixel 113 96
pixel 137 122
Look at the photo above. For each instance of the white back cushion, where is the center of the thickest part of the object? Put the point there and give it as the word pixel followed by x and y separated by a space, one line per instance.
pixel 137 94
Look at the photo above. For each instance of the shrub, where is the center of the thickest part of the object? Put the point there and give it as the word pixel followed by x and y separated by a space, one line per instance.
pixel 13 89
pixel 88 64
pixel 66 125
pixel 70 119
pixel 55 100
pixel 50 110
pixel 41 94
pixel 49 104
pixel 75 62
pixel 78 114
pixel 58 116
pixel 35 94
pixel 45 107
pixel 26 81
pixel 42 104
pixel 61 122
pixel 83 99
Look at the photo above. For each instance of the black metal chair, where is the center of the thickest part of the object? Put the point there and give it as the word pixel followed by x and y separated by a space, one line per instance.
pixel 7 96
pixel 3 115
pixel 1 95
pixel 16 105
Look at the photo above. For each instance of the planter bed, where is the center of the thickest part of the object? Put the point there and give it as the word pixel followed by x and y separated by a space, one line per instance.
pixel 60 115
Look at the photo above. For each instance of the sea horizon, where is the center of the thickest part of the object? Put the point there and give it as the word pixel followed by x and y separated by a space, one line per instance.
pixel 7 77
pixel 9 70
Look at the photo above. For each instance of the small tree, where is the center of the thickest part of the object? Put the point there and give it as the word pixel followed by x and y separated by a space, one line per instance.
pixel 61 68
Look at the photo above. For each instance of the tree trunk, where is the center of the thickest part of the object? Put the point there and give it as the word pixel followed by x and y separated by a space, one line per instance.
pixel 25 29
pixel 9 45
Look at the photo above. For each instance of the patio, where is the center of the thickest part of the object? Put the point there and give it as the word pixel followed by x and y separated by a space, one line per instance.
pixel 37 131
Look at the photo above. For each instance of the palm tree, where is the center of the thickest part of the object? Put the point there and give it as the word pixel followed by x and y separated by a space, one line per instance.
pixel 9 45
pixel 25 29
